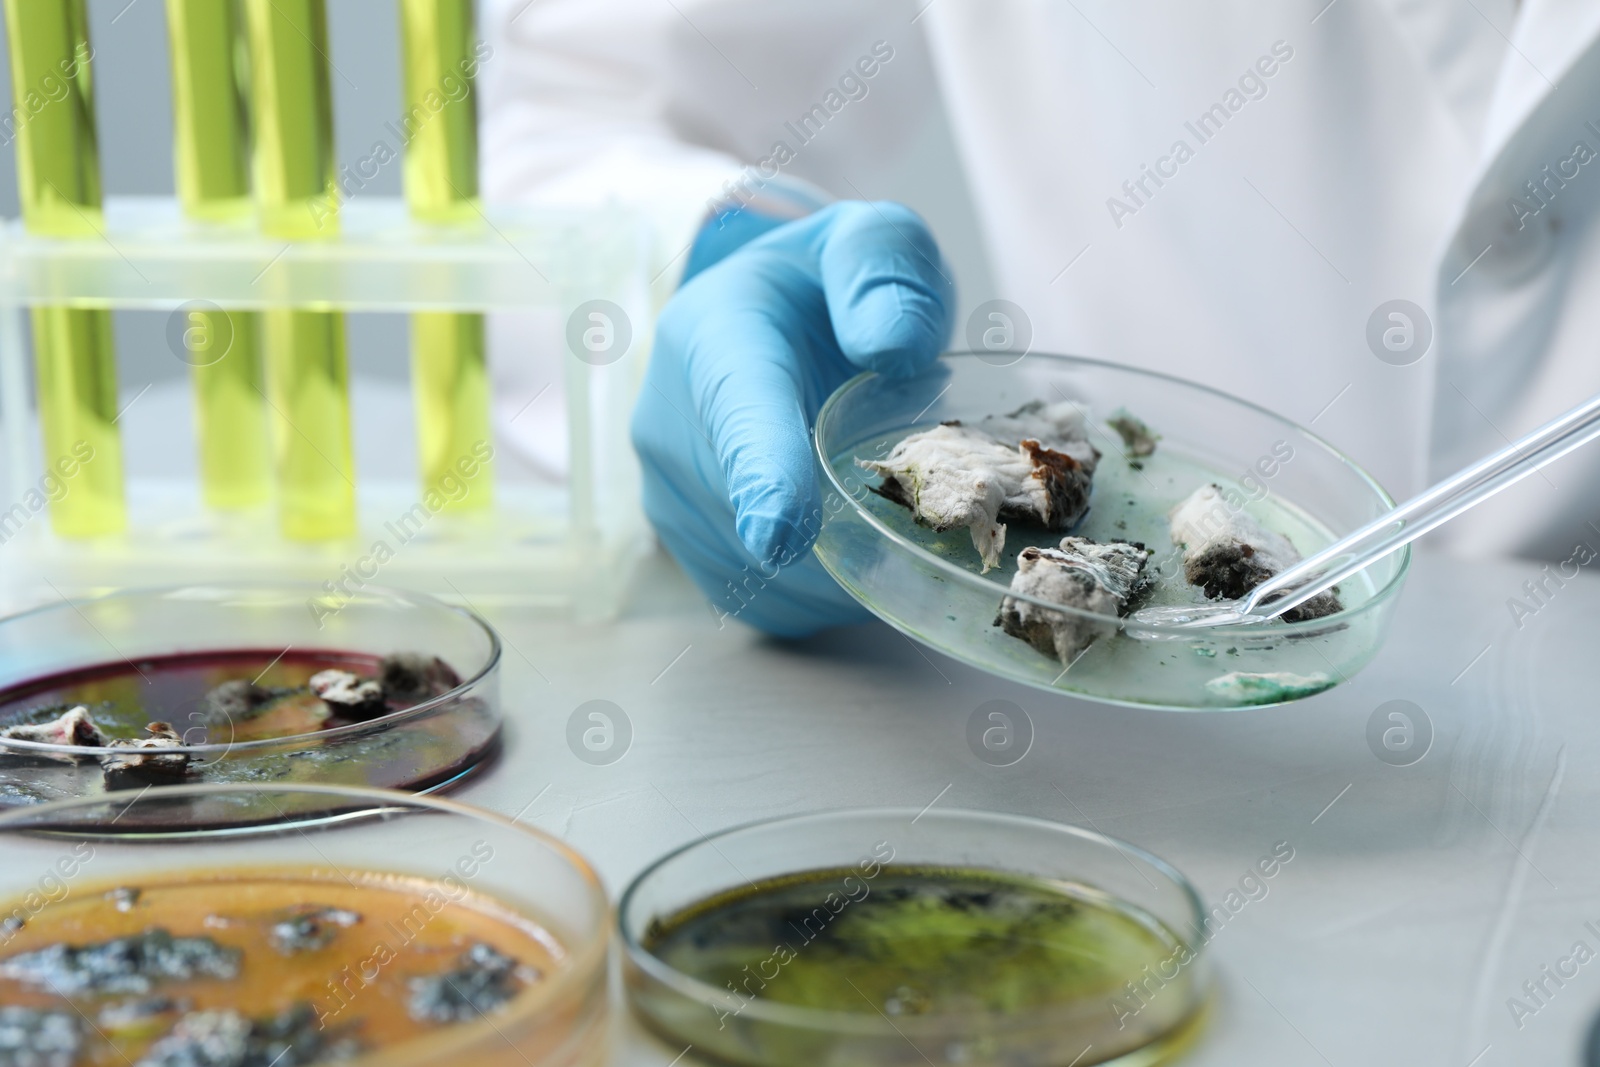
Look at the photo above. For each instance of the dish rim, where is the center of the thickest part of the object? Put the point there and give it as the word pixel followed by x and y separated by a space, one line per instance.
pixel 374 725
pixel 832 1021
pixel 592 954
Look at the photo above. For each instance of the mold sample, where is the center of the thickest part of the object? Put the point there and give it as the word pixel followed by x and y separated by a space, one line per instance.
pixel 1240 687
pixel 1227 553
pixel 155 760
pixel 265 967
pixel 139 1014
pixel 404 679
pixel 1138 440
pixel 230 1039
pixel 414 677
pixel 39 1037
pixel 1061 426
pixel 131 964
pixel 1035 464
pixel 73 727
pixel 483 979
pixel 308 927
pixel 1101 578
pixel 349 695
pixel 237 700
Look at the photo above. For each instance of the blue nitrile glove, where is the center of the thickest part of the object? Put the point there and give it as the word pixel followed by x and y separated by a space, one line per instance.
pixel 745 353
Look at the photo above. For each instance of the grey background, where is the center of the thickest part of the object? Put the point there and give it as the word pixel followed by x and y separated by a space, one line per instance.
pixel 133 97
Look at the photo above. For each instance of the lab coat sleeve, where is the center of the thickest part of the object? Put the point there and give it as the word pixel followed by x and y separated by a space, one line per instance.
pixel 578 103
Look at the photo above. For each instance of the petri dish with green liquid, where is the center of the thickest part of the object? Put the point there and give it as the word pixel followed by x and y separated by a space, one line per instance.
pixel 889 936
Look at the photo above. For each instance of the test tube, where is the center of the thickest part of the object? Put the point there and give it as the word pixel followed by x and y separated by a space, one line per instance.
pixel 449 369
pixel 297 198
pixel 58 185
pixel 211 156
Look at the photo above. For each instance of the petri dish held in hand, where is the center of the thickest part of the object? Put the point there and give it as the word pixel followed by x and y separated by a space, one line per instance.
pixel 1019 517
pixel 889 936
pixel 242 685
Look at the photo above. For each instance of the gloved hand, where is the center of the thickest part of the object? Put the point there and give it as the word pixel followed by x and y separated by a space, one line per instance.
pixel 745 354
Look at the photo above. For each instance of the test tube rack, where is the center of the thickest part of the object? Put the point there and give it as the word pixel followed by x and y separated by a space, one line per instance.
pixel 566 548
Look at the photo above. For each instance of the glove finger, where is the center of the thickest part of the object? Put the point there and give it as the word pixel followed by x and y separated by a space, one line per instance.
pixel 695 522
pixel 890 297
pixel 743 375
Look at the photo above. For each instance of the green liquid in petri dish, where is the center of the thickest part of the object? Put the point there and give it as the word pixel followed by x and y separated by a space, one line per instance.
pixel 924 964
pixel 1130 502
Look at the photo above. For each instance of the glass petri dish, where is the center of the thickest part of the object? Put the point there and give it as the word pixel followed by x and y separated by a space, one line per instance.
pixel 1125 980
pixel 152 654
pixel 465 869
pixel 929 585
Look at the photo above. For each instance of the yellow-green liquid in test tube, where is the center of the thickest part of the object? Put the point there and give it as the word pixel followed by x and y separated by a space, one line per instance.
pixel 58 184
pixel 211 148
pixel 449 371
pixel 296 198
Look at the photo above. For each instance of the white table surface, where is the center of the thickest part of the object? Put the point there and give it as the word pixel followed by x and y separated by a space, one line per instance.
pixel 1414 907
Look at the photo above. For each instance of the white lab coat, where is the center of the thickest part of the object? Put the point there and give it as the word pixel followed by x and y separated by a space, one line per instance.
pixel 1382 158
